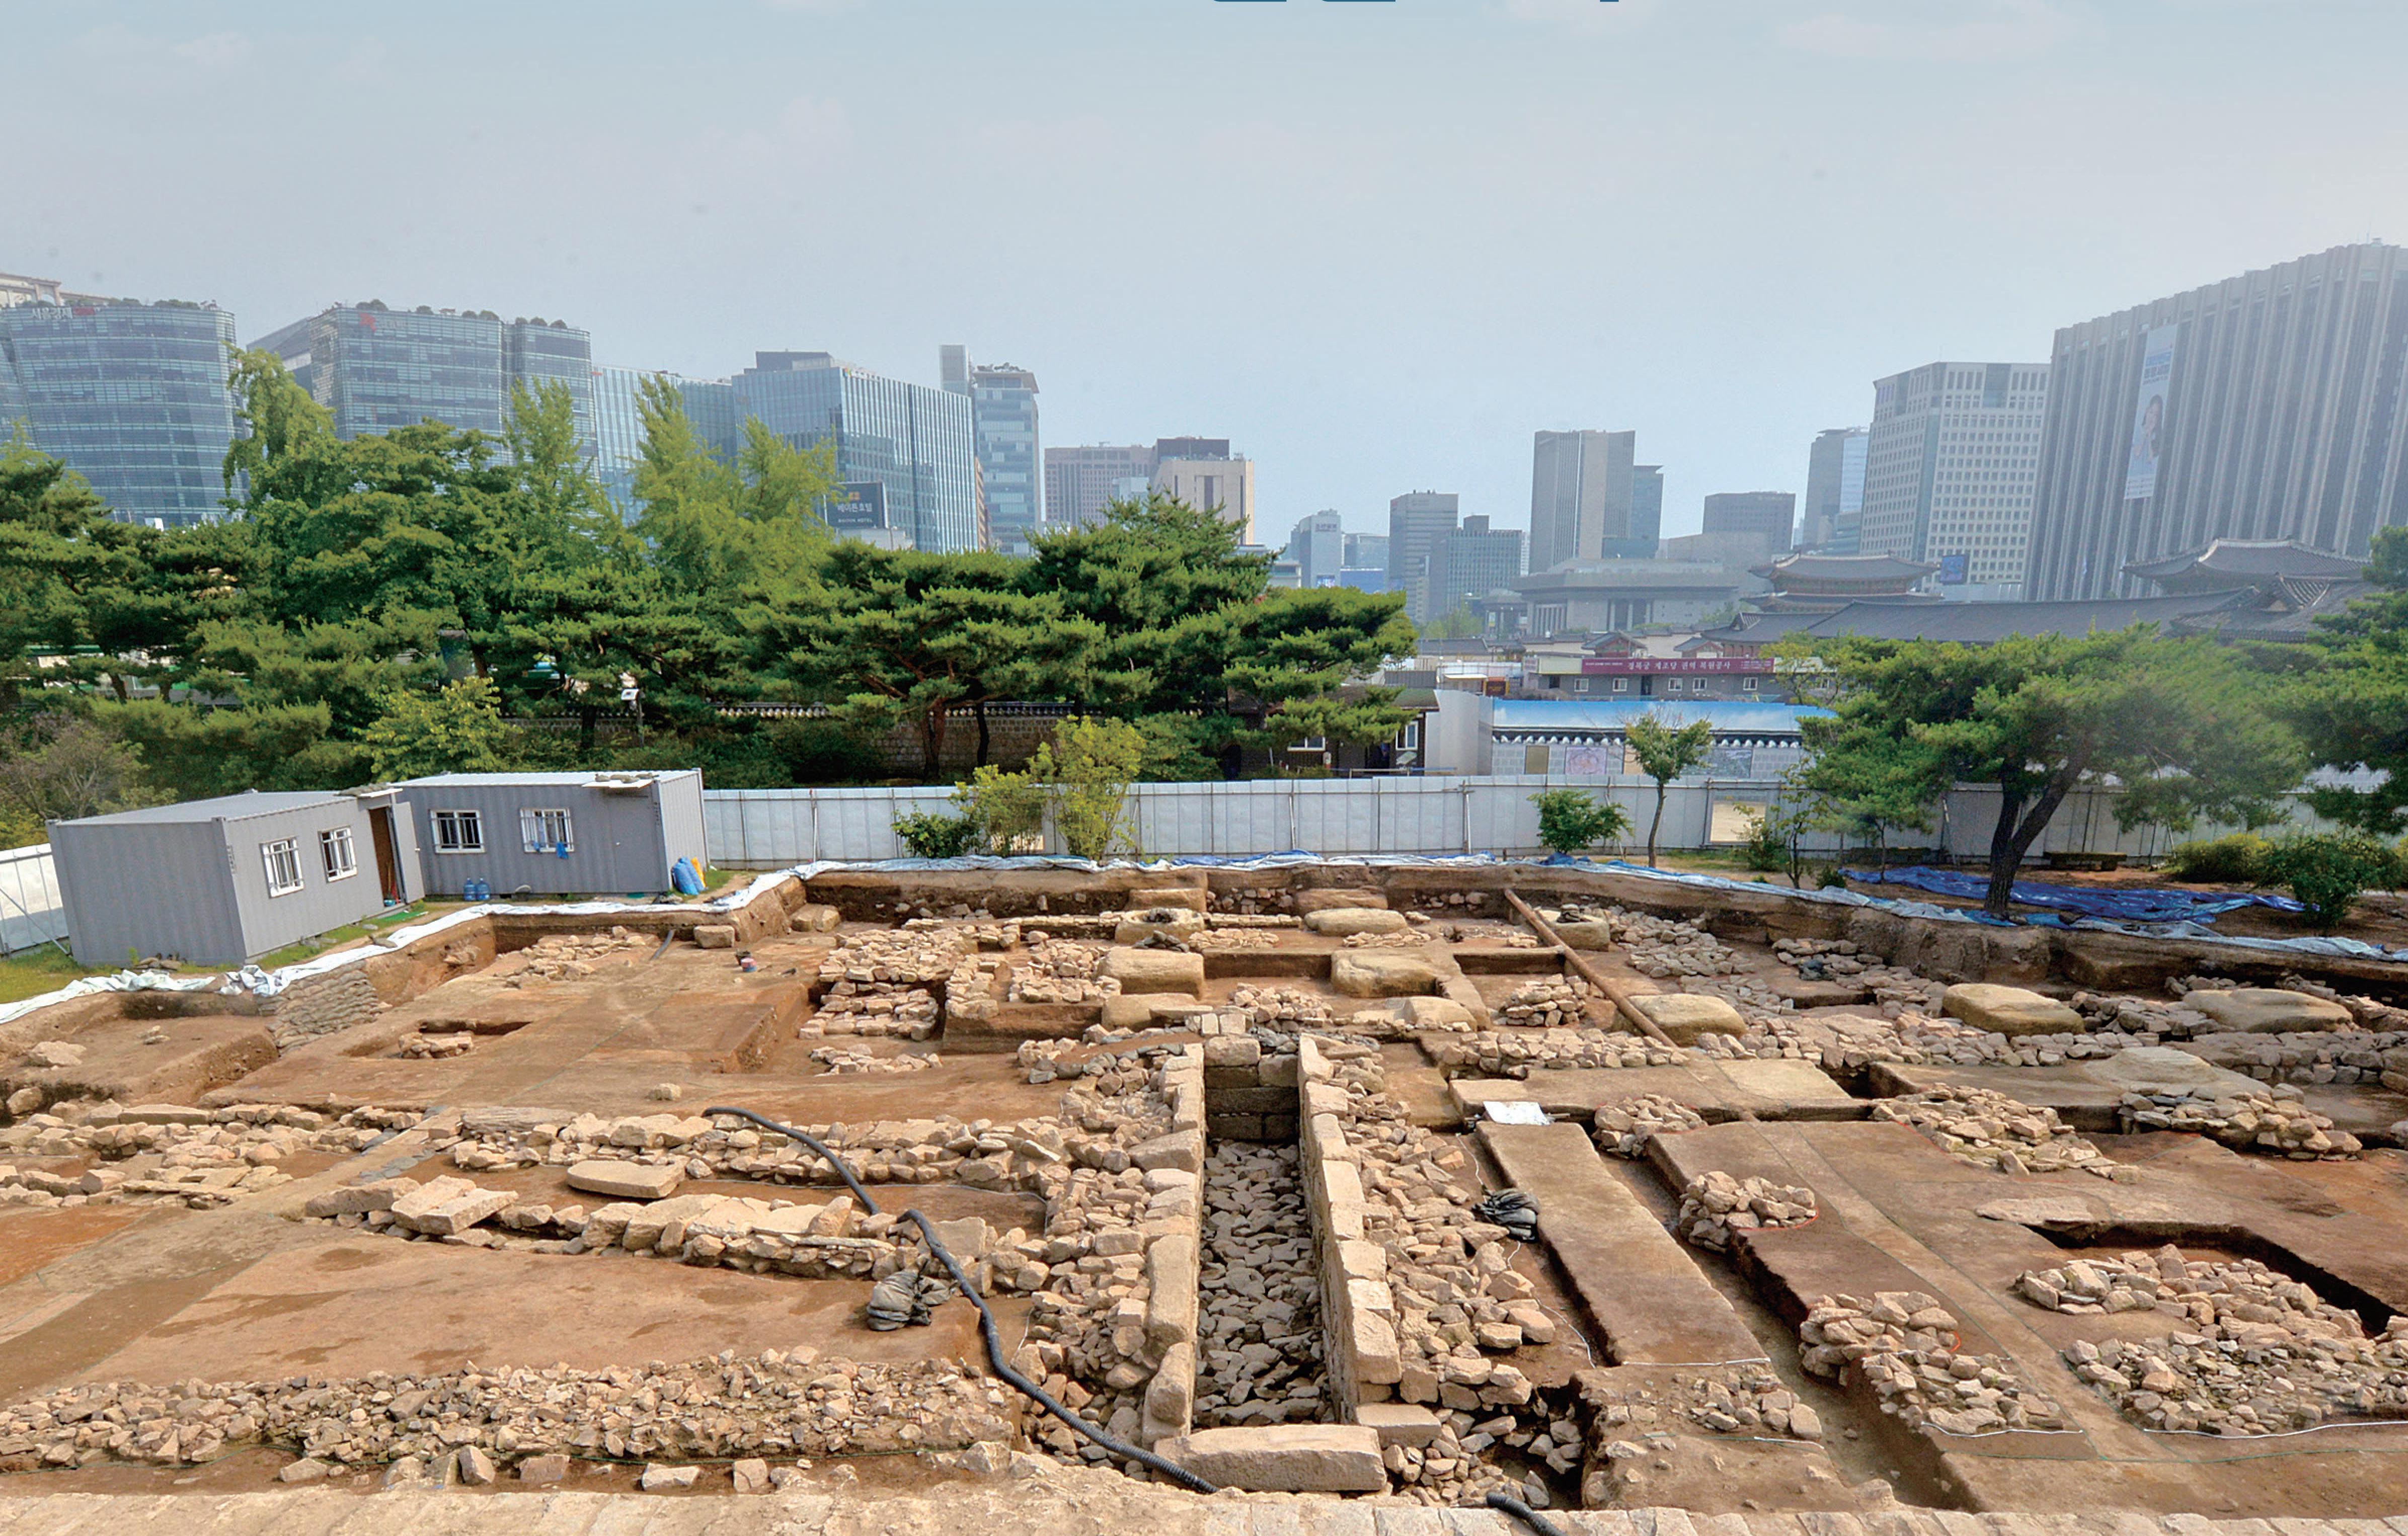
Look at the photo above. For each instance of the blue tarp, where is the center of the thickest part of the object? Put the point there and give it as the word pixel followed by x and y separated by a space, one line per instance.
pixel 2124 904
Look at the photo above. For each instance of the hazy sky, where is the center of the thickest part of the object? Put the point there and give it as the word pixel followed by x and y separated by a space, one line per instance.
pixel 1377 245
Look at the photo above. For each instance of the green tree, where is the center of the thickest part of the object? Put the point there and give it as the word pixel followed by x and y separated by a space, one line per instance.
pixel 2178 723
pixel 2350 703
pixel 1570 821
pixel 459 730
pixel 1462 624
pixel 59 766
pixel 2327 871
pixel 1087 769
pixel 1666 750
pixel 898 634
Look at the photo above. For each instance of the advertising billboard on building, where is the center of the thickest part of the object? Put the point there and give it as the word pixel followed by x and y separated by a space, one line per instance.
pixel 2151 431
pixel 1952 571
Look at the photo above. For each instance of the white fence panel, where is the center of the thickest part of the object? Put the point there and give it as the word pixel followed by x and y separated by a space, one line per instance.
pixel 32 911
pixel 762 828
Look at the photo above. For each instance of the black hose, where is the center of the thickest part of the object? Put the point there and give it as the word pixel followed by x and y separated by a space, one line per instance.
pixel 1524 1514
pixel 987 1329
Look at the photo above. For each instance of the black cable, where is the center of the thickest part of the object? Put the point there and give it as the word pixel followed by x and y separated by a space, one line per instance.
pixel 992 1335
pixel 1524 1514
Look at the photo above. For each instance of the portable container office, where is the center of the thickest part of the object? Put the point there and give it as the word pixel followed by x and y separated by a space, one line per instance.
pixel 219 882
pixel 572 834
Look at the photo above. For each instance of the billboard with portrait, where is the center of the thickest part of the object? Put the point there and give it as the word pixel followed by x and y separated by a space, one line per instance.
pixel 2151 431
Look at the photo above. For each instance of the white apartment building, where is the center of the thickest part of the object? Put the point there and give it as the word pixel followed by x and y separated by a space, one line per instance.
pixel 1951 471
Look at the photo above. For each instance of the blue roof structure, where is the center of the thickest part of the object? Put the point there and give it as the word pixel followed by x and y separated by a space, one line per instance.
pixel 1732 718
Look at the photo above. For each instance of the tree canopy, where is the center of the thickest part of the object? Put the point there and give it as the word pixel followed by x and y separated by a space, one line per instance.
pixel 2183 729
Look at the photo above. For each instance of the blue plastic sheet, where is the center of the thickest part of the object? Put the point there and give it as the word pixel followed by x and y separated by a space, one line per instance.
pixel 2114 903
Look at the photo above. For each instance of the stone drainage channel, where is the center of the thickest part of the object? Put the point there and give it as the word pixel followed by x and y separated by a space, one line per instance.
pixel 1258 1321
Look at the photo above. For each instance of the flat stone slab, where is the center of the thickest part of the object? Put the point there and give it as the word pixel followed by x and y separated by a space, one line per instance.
pixel 1284 1457
pixel 1653 1303
pixel 1377 973
pixel 626 1180
pixel 1340 922
pixel 2269 1010
pixel 2084 1094
pixel 2010 1011
pixel 1775 1089
pixel 1686 1016
pixel 1154 971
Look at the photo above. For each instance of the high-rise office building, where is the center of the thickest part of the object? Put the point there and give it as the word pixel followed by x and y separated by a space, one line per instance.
pixel 1835 488
pixel 914 444
pixel 2265 407
pixel 1318 546
pixel 1415 520
pixel 1003 413
pixel 1586 499
pixel 1467 563
pixel 132 397
pixel 1204 474
pixel 1767 515
pixel 1079 481
pixel 1366 552
pixel 710 406
pixel 1950 466
pixel 1646 515
pixel 375 368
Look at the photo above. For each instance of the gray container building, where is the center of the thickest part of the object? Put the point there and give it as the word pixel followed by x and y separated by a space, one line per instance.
pixel 219 882
pixel 540 834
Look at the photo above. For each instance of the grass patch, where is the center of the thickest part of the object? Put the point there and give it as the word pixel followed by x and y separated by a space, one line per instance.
pixel 40 970
pixel 292 954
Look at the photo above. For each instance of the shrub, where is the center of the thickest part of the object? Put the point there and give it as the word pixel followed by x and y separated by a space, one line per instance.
pixel 1766 846
pixel 929 836
pixel 2239 860
pixel 2326 871
pixel 1570 821
pixel 1831 879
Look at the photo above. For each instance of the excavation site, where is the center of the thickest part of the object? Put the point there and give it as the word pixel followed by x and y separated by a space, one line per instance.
pixel 1414 1197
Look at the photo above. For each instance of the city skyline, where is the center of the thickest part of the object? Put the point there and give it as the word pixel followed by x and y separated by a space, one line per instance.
pixel 1726 350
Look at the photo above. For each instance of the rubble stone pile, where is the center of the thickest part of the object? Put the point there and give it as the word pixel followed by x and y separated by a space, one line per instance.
pixel 1492 1053
pixel 1990 1129
pixel 1258 1346
pixel 1284 1007
pixel 1715 1205
pixel 196 1157
pixel 2254 1352
pixel 569 957
pixel 1226 940
pixel 770 1404
pixel 1456 1305
pixel 840 1061
pixel 875 1008
pixel 2276 1122
pixel 1622 1128
pixel 1663 946
pixel 1547 1002
pixel 1059 971
pixel 1903 1345
pixel 434 1047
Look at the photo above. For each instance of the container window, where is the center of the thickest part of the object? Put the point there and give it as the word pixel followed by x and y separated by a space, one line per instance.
pixel 459 831
pixel 336 853
pixel 545 832
pixel 283 859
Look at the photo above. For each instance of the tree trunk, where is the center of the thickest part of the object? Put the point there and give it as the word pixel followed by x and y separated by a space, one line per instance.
pixel 2013 837
pixel 979 709
pixel 932 744
pixel 584 730
pixel 1657 825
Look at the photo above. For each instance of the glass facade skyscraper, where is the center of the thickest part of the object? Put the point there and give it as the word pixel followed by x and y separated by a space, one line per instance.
pixel 132 397
pixel 1012 469
pixel 915 443
pixel 376 368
